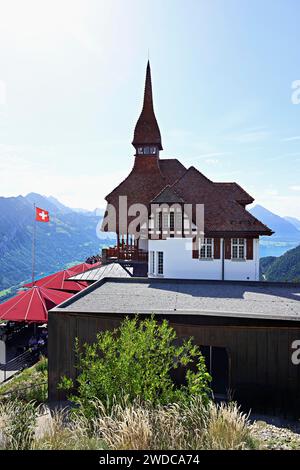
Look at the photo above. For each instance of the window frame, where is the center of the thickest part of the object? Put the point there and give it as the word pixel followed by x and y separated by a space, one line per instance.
pixel 151 262
pixel 238 244
pixel 203 243
pixel 160 263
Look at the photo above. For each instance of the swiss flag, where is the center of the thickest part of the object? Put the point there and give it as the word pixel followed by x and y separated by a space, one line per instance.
pixel 41 215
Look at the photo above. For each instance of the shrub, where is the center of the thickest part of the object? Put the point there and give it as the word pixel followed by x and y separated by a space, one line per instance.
pixel 228 428
pixel 123 425
pixel 28 385
pixel 17 425
pixel 137 361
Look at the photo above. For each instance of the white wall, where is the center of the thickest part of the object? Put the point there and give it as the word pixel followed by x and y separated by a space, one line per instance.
pixel 143 244
pixel 179 263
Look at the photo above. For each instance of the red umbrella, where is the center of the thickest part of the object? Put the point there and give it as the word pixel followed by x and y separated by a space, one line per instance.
pixel 82 267
pixel 32 305
pixel 59 281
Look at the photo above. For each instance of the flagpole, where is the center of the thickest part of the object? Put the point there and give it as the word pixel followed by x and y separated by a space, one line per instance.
pixel 33 245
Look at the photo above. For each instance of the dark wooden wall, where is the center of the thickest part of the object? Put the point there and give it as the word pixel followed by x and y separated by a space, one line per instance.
pixel 262 376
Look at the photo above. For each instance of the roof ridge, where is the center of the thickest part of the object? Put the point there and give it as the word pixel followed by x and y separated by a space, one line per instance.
pixel 168 186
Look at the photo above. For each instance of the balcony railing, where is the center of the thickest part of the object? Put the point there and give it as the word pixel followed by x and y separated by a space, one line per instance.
pixel 126 253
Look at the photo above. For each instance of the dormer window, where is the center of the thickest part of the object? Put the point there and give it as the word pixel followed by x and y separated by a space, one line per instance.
pixel 147 150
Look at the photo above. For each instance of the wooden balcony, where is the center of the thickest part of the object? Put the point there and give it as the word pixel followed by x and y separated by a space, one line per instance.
pixel 125 253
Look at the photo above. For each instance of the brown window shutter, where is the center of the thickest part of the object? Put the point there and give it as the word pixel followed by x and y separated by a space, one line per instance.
pixel 249 248
pixel 227 248
pixel 217 248
pixel 196 254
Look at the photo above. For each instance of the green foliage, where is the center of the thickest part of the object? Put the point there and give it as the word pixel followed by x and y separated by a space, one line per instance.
pixel 283 268
pixel 138 360
pixel 28 385
pixel 42 365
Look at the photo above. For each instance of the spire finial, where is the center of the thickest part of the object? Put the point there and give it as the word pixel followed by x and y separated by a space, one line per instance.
pixel 146 130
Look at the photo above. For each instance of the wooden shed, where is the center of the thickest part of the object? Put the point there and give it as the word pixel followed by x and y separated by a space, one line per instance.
pixel 246 331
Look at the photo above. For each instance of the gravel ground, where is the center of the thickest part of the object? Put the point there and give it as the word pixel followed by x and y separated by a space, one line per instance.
pixel 276 438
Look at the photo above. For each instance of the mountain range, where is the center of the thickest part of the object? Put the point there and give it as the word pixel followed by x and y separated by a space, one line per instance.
pixel 69 237
pixel 281 268
pixel 286 236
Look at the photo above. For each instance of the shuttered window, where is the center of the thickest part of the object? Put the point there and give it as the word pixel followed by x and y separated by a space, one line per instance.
pixel 238 248
pixel 206 248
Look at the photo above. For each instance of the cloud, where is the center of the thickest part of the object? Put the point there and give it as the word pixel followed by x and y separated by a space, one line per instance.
pixel 25 168
pixel 291 139
pixel 211 155
pixel 295 188
pixel 279 204
pixel 250 136
pixel 3 93
pixel 212 161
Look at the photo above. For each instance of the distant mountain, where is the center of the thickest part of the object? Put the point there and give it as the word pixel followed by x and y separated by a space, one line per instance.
pixel 69 237
pixel 286 235
pixel 294 221
pixel 283 268
pixel 59 206
pixel 283 229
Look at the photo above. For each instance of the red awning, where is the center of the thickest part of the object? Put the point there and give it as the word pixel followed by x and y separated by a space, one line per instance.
pixel 32 305
pixel 58 281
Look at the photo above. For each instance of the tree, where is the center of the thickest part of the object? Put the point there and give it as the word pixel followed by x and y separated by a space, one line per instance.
pixel 137 361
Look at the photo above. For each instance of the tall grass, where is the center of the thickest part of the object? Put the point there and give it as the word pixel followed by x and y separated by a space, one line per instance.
pixel 123 426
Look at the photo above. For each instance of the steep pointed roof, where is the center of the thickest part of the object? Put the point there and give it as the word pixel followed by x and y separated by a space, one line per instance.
pixel 146 130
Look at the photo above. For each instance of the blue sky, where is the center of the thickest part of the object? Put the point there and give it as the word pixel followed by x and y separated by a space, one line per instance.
pixel 72 78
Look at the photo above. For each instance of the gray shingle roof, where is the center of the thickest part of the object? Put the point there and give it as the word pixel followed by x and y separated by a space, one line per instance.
pixel 214 298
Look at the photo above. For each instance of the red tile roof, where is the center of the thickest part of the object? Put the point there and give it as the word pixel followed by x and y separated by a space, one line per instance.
pixel 151 178
pixel 221 214
pixel 234 191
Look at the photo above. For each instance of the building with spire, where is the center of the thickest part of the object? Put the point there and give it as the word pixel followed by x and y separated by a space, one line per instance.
pixel 174 220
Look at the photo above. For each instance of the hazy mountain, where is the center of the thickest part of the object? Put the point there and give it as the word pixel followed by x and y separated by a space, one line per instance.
pixel 283 228
pixel 60 207
pixel 294 221
pixel 69 237
pixel 286 235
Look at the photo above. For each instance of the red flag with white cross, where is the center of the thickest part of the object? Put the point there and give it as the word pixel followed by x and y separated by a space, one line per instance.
pixel 41 215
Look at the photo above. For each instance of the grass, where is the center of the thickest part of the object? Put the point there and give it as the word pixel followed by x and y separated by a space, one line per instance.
pixel 137 426
pixel 28 385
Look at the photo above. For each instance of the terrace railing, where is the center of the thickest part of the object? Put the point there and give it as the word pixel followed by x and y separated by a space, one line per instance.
pixel 26 359
pixel 126 253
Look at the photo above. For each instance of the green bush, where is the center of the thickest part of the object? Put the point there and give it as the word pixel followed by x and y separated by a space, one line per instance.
pixel 28 385
pixel 138 360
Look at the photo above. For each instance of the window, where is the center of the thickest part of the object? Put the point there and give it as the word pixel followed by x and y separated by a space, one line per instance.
pixel 160 262
pixel 238 248
pixel 172 221
pixel 152 262
pixel 146 150
pixel 153 150
pixel 206 248
pixel 140 150
pixel 165 220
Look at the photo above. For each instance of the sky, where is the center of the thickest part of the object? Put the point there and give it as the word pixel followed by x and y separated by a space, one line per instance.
pixel 226 85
